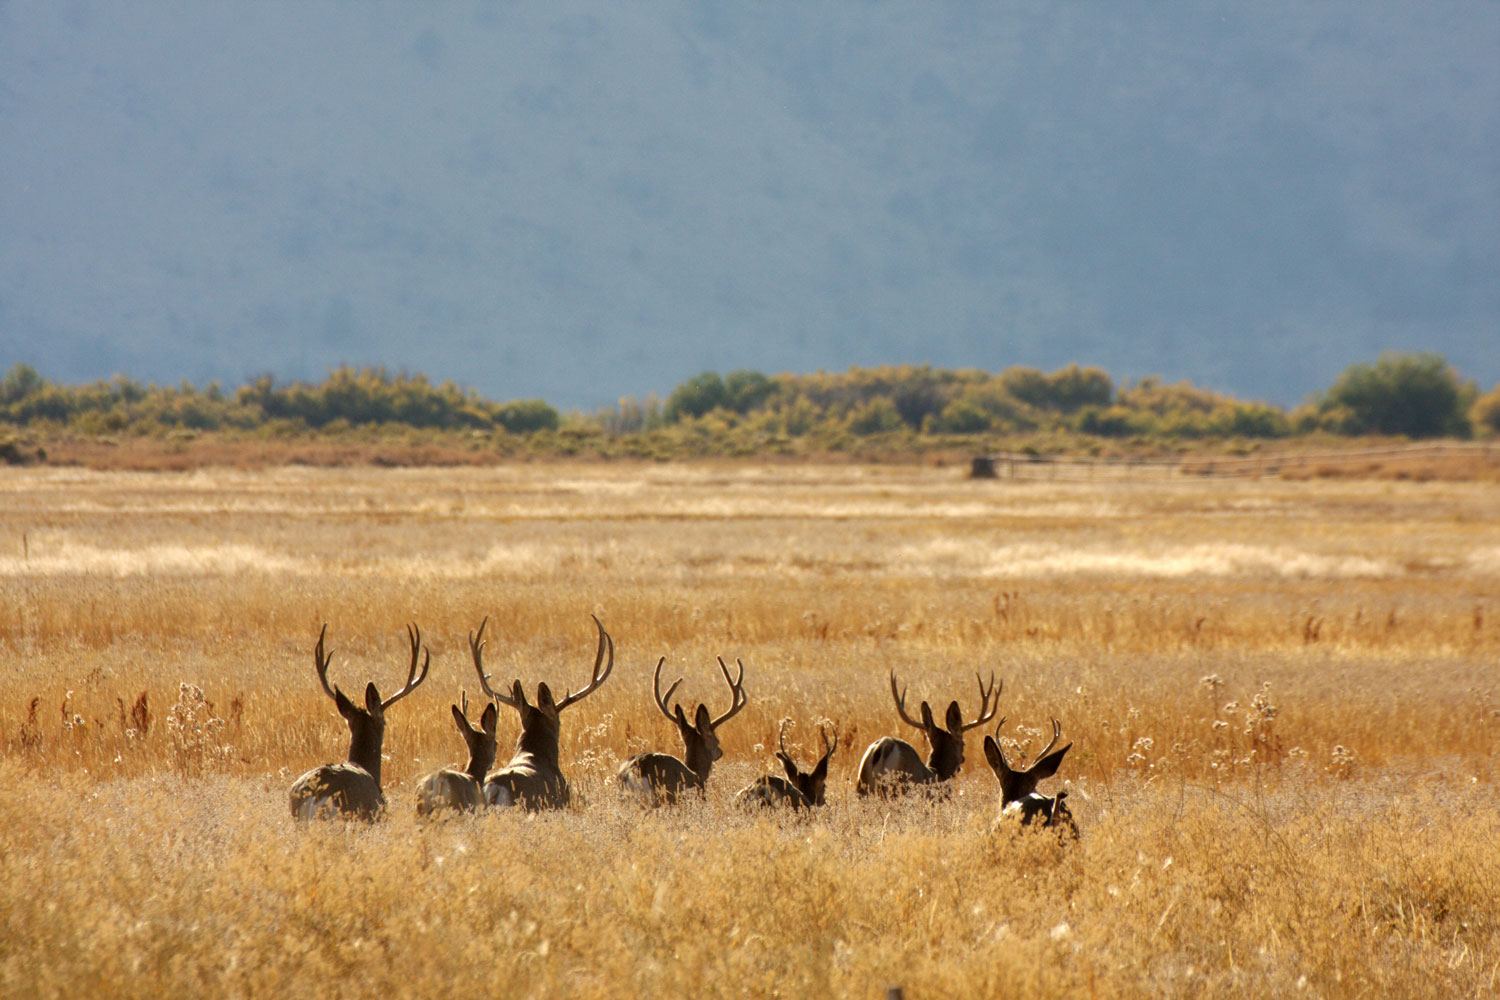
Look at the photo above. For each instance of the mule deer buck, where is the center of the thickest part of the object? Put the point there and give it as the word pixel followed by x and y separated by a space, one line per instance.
pixel 450 788
pixel 891 766
pixel 661 778
pixel 799 789
pixel 353 789
pixel 533 779
pixel 1019 798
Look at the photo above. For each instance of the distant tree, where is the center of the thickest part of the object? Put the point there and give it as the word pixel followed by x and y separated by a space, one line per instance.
pixel 1417 395
pixel 878 416
pixel 745 390
pixel 522 416
pixel 1485 412
pixel 1073 388
pixel 1066 390
pixel 695 397
pixel 20 382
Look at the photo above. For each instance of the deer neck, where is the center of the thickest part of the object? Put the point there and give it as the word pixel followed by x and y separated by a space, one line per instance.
pixel 480 762
pixel 947 755
pixel 698 758
pixel 540 743
pixel 364 749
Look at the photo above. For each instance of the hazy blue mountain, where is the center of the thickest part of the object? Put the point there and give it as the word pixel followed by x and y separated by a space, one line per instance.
pixel 588 199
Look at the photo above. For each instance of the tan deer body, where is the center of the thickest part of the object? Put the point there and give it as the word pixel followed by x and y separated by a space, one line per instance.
pixel 451 788
pixel 533 779
pixel 799 789
pixel 660 778
pixel 892 766
pixel 1019 799
pixel 352 789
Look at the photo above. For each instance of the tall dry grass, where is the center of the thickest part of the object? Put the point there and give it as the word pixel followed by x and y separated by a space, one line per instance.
pixel 1281 696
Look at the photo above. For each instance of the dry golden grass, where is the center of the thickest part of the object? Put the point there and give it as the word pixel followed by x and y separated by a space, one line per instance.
pixel 1282 696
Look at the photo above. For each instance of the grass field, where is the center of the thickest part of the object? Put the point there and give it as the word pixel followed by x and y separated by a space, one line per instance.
pixel 1283 698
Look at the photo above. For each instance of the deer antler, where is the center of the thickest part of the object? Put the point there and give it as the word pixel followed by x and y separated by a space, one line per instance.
pixel 986 709
pixel 827 749
pixel 900 700
pixel 412 677
pixel 322 663
pixel 738 698
pixel 1056 735
pixel 661 700
pixel 476 649
pixel 781 736
pixel 595 678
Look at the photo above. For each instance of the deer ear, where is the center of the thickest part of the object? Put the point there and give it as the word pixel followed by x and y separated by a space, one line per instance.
pixel 927 716
pixel 544 697
pixel 343 704
pixel 681 716
pixel 703 722
pixel 459 719
pixel 518 694
pixel 1048 765
pixel 993 757
pixel 789 766
pixel 955 718
pixel 372 698
pixel 820 773
pixel 489 719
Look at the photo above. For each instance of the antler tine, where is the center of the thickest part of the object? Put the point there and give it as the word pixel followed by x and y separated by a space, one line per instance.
pixel 476 649
pixel 595 677
pixel 322 663
pixel 1056 735
pixel 781 735
pixel 987 709
pixel 413 679
pixel 661 701
pixel 901 704
pixel 828 750
pixel 737 697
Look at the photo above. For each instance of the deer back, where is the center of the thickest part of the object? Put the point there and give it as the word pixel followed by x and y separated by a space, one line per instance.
pixel 773 790
pixel 448 788
pixel 658 778
pixel 889 765
pixel 337 790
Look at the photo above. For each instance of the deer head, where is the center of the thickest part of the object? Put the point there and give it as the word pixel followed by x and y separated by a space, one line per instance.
pixel 947 740
pixel 700 740
pixel 367 725
pixel 810 783
pixel 540 723
pixel 1018 787
pixel 480 739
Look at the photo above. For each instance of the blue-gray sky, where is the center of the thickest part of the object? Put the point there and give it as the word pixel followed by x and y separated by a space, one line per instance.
pixel 583 200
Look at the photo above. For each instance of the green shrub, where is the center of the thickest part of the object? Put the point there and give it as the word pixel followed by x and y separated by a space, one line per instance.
pixel 1416 395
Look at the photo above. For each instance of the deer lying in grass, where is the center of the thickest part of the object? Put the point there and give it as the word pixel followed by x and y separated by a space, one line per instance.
pixel 353 789
pixel 1019 799
pixel 450 788
pixel 799 789
pixel 533 779
pixel 891 766
pixel 661 778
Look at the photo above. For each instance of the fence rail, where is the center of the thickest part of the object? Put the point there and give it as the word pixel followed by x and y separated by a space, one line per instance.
pixel 1024 465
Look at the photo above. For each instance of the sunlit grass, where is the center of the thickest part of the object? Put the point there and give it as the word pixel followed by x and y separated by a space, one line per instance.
pixel 1281 695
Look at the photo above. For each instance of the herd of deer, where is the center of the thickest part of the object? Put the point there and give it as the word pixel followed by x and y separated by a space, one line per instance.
pixel 534 780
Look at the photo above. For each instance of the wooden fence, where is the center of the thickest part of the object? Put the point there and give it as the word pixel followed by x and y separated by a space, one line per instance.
pixel 1022 465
